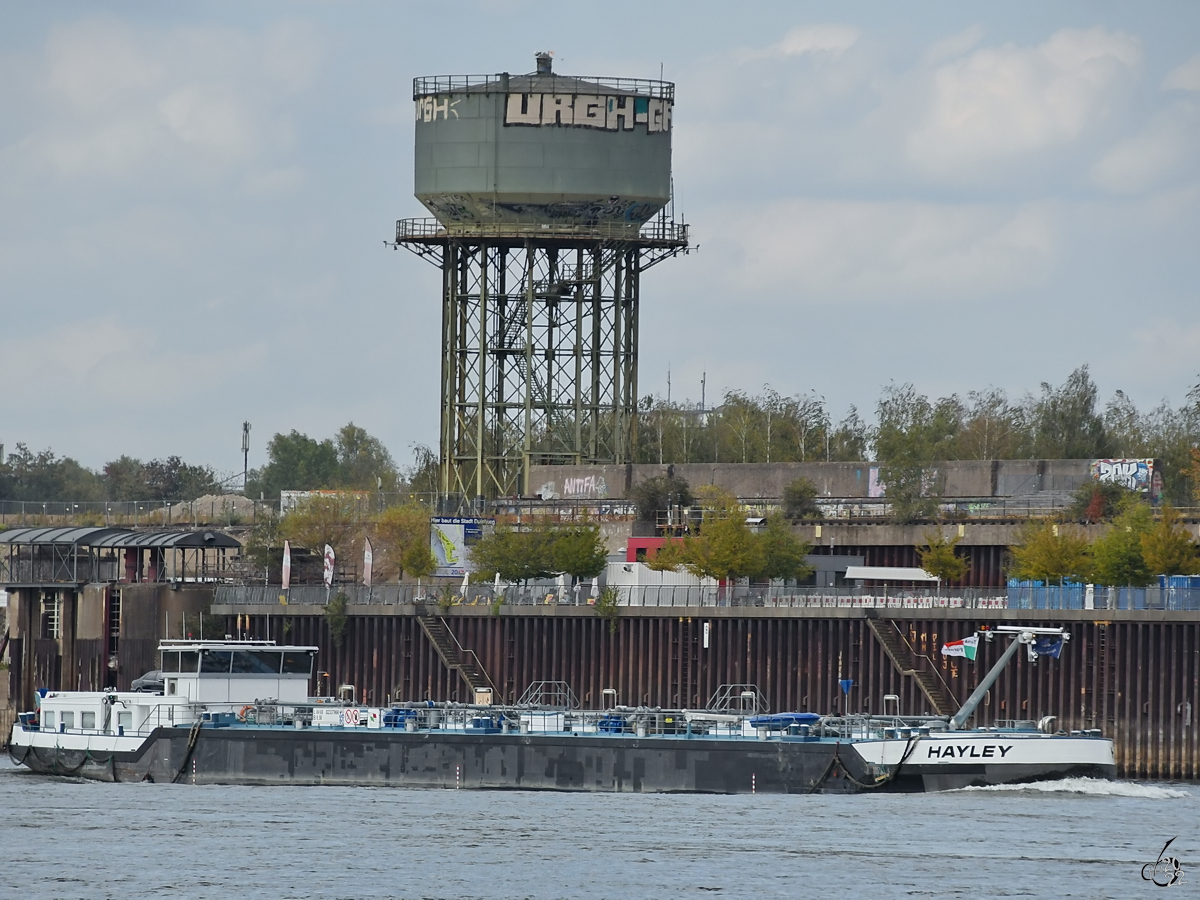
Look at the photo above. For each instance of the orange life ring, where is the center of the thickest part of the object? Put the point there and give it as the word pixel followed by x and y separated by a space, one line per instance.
pixel 242 715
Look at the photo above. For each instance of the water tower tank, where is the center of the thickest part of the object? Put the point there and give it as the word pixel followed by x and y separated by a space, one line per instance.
pixel 543 152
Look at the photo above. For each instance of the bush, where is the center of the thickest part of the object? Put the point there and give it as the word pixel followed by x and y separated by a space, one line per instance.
pixel 800 500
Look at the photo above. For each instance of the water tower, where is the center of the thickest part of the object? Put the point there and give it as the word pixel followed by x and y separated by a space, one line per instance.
pixel 551 194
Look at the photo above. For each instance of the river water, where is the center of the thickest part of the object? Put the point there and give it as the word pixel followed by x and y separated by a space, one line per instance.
pixel 66 838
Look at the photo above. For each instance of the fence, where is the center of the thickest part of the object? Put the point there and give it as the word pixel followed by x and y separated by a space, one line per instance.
pixel 1087 596
pixel 550 593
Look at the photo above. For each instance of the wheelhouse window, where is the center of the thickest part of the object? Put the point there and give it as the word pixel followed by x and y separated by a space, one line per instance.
pixel 213 661
pixel 256 662
pixel 68 719
pixel 87 720
pixel 297 662
pixel 48 720
pixel 170 661
pixel 124 719
pixel 189 660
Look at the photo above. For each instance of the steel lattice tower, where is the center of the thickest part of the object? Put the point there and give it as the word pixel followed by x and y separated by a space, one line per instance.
pixel 540 287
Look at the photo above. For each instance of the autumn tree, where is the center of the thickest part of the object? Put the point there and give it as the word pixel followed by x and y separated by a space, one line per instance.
pixel 1050 552
pixel 725 548
pixel 1167 548
pixel 938 556
pixel 318 521
pixel 402 532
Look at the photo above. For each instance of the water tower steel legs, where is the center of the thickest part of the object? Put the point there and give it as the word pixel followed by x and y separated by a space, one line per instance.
pixel 539 360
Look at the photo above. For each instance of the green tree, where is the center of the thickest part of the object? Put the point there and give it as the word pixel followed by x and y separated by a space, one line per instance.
pixel 939 557
pixel 1117 554
pixel 125 479
pixel 848 442
pixel 43 476
pixel 364 464
pixel 402 532
pixel 174 480
pixel 513 554
pixel 578 551
pixel 800 500
pixel 784 556
pixel 653 495
pixel 1167 547
pixel 911 435
pixel 296 462
pixel 1049 552
pixel 1065 423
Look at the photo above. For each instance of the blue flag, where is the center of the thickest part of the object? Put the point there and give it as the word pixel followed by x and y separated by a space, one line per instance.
pixel 1048 645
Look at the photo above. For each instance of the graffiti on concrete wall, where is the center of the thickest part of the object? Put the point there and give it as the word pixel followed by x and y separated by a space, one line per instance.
pixel 620 113
pixel 1132 474
pixel 583 487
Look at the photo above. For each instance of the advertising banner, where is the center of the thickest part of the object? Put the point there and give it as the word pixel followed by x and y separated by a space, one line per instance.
pixel 450 540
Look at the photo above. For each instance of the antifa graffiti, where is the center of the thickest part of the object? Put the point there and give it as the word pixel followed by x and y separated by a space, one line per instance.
pixel 585 487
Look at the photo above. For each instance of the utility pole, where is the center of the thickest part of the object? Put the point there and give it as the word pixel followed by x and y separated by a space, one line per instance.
pixel 245 455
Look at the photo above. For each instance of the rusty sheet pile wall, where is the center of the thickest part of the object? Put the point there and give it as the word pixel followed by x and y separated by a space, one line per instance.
pixel 1139 681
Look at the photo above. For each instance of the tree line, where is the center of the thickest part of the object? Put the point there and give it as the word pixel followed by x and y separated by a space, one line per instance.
pixel 351 460
pixel 912 431
pixel 43 476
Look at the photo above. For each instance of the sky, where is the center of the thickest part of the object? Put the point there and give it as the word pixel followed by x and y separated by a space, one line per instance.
pixel 194 200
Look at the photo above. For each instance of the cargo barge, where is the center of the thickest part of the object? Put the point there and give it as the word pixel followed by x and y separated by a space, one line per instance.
pixel 238 712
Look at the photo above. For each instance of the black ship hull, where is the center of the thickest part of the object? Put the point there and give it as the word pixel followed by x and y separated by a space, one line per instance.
pixel 561 762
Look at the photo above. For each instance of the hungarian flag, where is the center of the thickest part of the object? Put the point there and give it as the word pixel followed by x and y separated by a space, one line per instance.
pixel 966 647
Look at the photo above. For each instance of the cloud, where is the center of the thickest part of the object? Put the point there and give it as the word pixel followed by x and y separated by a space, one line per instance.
pixel 1162 150
pixel 1012 101
pixel 93 62
pixel 295 53
pixel 190 100
pixel 817 40
pixel 953 45
pixel 98 360
pixel 885 252
pixel 213 118
pixel 1184 78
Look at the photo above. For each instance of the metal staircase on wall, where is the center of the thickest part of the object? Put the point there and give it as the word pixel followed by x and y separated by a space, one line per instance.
pixel 908 662
pixel 452 654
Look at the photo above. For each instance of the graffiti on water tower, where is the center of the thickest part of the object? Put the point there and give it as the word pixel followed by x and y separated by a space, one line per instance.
pixel 1133 474
pixel 607 113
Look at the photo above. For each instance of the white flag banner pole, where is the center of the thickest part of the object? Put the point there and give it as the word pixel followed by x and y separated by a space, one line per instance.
pixel 330 559
pixel 287 565
pixel 368 559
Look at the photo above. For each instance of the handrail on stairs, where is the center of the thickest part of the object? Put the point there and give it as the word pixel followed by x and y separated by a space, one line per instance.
pixel 931 668
pixel 464 651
